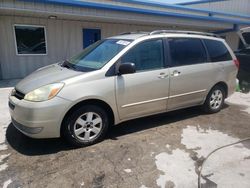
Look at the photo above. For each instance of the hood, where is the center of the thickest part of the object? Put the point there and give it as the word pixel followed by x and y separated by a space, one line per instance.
pixel 46 75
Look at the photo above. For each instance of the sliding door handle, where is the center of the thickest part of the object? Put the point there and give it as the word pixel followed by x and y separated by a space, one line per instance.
pixel 176 73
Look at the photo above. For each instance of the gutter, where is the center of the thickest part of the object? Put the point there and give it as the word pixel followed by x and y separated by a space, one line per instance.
pixel 180 7
pixel 200 2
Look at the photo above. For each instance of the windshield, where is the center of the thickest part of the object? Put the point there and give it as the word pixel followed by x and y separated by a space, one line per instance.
pixel 97 55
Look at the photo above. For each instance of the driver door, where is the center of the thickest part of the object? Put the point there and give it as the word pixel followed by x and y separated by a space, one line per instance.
pixel 146 91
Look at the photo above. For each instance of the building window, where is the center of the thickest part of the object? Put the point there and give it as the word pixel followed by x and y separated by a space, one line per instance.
pixel 30 40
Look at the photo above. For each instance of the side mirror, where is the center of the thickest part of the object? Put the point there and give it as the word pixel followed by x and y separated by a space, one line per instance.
pixel 126 68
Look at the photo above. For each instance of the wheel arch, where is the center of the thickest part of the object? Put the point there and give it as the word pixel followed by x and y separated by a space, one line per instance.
pixel 224 86
pixel 97 102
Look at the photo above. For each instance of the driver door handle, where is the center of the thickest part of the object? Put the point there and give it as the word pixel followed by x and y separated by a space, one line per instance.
pixel 162 75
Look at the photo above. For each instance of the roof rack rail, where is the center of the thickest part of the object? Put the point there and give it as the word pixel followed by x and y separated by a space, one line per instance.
pixel 134 32
pixel 184 32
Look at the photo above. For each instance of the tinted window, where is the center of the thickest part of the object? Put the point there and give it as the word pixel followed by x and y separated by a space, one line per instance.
pixel 146 55
pixel 246 36
pixel 30 39
pixel 217 51
pixel 186 51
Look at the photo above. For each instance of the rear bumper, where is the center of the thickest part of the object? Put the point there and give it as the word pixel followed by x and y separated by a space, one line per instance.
pixel 38 119
pixel 231 87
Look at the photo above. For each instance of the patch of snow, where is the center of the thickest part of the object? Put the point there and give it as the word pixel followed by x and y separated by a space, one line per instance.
pixel 168 146
pixel 82 184
pixel 128 170
pixel 4 122
pixel 176 167
pixel 3 166
pixel 2 137
pixel 2 157
pixel 4 116
pixel 3 146
pixel 229 167
pixel 204 141
pixel 7 183
pixel 129 159
pixel 152 153
pixel 242 99
pixel 179 168
pixel 143 186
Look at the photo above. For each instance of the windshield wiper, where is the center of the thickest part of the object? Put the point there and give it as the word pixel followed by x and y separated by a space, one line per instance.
pixel 67 65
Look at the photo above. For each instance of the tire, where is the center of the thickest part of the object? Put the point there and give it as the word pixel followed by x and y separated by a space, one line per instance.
pixel 86 126
pixel 215 100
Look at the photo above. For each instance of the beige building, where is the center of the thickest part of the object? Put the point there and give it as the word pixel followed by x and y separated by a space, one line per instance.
pixel 35 33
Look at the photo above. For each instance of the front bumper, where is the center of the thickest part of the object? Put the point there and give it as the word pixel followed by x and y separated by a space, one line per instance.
pixel 38 119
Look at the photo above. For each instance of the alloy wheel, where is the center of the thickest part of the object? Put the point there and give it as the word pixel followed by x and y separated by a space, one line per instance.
pixel 88 126
pixel 216 99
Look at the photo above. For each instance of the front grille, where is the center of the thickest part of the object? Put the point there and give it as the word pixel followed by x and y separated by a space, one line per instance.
pixel 19 95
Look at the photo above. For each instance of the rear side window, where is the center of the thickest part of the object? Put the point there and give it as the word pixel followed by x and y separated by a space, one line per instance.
pixel 187 51
pixel 217 51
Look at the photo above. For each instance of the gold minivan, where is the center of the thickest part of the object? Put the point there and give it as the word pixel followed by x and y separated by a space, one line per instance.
pixel 121 78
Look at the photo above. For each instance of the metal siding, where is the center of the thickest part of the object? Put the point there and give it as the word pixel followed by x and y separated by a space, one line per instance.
pixel 153 11
pixel 64 35
pixel 64 39
pixel 232 6
pixel 232 40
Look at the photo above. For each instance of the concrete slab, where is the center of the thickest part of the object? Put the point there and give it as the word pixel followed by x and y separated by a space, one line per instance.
pixel 228 167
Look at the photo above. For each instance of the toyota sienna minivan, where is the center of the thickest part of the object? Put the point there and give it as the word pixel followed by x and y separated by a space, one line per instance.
pixel 121 78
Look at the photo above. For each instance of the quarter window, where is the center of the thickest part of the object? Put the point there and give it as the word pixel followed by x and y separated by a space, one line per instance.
pixel 186 51
pixel 30 40
pixel 217 51
pixel 147 55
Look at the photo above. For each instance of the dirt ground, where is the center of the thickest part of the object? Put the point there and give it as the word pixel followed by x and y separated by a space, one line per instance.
pixel 157 151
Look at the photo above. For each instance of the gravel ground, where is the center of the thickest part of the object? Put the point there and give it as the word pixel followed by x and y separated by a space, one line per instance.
pixel 157 151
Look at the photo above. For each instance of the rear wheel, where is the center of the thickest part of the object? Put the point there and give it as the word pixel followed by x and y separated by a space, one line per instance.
pixel 215 100
pixel 86 126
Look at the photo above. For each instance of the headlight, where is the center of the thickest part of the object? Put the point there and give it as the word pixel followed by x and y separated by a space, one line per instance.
pixel 44 93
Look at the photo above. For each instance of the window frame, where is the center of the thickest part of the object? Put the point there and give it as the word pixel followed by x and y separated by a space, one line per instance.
pixel 164 52
pixel 28 25
pixel 171 64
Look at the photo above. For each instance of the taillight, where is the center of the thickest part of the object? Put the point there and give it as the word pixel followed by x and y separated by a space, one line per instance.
pixel 237 63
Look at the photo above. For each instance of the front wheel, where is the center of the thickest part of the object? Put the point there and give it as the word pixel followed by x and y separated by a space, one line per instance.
pixel 86 125
pixel 215 100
